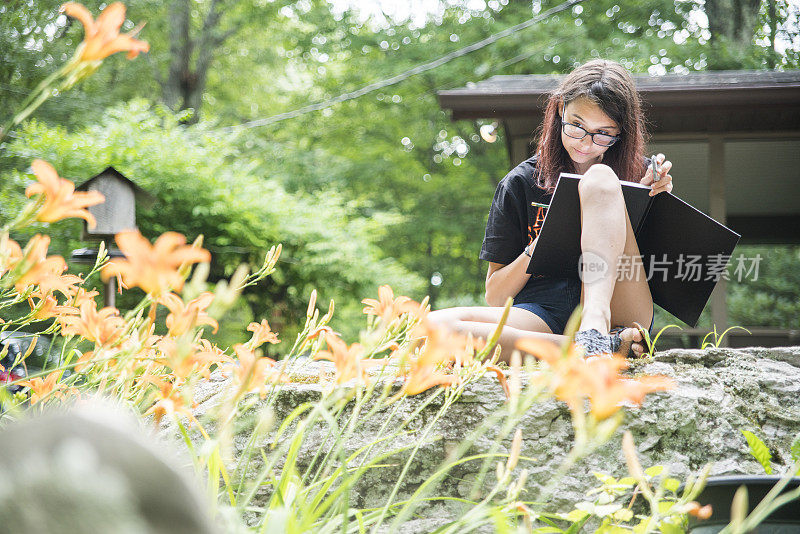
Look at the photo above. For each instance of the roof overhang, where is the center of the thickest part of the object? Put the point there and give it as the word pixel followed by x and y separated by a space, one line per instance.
pixel 722 101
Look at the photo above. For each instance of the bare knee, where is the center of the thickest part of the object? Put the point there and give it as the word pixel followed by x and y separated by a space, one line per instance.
pixel 600 182
pixel 445 318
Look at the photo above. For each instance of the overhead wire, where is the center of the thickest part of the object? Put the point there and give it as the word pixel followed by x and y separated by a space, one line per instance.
pixel 502 65
pixel 374 86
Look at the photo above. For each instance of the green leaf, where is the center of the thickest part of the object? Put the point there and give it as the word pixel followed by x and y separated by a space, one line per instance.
pixel 672 484
pixel 602 477
pixel 670 528
pixel 604 510
pixel 612 529
pixel 577 515
pixel 578 525
pixel 654 470
pixel 623 515
pixel 665 506
pixel 795 449
pixel 759 450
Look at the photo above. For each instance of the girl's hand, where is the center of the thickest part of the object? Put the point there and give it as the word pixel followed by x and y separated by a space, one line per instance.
pixel 665 182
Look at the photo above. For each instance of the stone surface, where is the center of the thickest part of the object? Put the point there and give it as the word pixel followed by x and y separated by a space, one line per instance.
pixel 719 392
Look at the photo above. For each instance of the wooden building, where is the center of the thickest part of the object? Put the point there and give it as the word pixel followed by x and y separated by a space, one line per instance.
pixel 733 138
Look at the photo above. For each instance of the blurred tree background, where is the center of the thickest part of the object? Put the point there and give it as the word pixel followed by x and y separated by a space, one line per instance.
pixel 380 188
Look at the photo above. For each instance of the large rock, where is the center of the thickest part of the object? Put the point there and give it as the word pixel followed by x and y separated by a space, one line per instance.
pixel 719 392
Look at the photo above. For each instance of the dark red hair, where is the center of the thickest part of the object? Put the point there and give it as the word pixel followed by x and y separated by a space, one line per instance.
pixel 610 86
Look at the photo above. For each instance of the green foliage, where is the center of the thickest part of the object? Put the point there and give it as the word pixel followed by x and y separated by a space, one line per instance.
pixel 759 450
pixel 717 338
pixel 795 449
pixel 392 151
pixel 204 185
pixel 770 296
pixel 612 503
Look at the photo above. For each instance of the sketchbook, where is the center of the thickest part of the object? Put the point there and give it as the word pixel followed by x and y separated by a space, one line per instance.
pixel 684 252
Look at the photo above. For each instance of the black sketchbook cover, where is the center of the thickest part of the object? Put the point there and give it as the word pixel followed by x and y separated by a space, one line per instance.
pixel 684 251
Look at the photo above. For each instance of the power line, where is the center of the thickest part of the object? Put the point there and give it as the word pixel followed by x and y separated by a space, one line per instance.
pixel 499 66
pixel 402 76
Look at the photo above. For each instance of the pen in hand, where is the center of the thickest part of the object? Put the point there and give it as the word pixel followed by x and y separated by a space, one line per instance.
pixel 656 169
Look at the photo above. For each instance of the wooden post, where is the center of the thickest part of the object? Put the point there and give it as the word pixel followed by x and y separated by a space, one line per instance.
pixel 717 210
pixel 110 297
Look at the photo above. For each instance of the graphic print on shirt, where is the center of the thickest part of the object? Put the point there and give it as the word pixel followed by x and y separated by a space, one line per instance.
pixel 533 231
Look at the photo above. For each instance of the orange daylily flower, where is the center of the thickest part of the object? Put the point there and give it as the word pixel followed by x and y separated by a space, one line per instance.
pixel 347 360
pixel 575 378
pixel 208 355
pixel 41 388
pixel 184 317
pixel 154 268
pixel 320 330
pixel 609 389
pixel 255 372
pixel 422 378
pixel 102 37
pixel 47 307
pixel 262 333
pixel 700 512
pixel 84 361
pixel 444 349
pixel 183 361
pixel 80 295
pixel 67 284
pixel 440 348
pixel 39 269
pixel 501 377
pixel 169 400
pixel 104 327
pixel 10 254
pixel 60 199
pixel 388 307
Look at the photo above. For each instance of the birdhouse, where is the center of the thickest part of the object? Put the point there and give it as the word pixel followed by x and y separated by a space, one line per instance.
pixel 118 212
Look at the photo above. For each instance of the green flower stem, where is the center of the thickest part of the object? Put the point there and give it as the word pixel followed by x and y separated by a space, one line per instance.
pixel 42 92
pixel 449 399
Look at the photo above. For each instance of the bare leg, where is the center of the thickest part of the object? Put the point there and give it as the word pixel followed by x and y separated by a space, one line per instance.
pixel 521 324
pixel 602 242
pixel 607 233
pixel 482 322
pixel 602 211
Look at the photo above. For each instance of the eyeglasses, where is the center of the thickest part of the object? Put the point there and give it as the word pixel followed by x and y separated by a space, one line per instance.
pixel 576 132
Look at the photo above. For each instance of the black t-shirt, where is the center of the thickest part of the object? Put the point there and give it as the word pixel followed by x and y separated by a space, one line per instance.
pixel 514 219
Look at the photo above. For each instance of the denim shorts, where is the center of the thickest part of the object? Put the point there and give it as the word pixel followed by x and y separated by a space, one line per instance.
pixel 553 300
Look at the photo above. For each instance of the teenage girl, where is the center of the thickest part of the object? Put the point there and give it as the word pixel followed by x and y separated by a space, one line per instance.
pixel 593 126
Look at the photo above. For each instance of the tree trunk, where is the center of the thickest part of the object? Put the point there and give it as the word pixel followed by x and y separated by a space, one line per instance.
pixel 180 52
pixel 733 19
pixel 773 31
pixel 191 58
pixel 732 24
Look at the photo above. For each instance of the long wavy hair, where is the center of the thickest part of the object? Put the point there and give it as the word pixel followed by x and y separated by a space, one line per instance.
pixel 611 87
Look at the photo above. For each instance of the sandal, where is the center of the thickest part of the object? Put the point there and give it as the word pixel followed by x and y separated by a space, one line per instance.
pixel 594 343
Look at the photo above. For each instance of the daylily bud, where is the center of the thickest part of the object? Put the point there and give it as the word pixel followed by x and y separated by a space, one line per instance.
pixel 516 448
pixel 312 304
pixel 629 449
pixel 501 472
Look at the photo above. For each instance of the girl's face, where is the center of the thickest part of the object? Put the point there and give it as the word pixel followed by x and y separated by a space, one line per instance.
pixel 588 115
